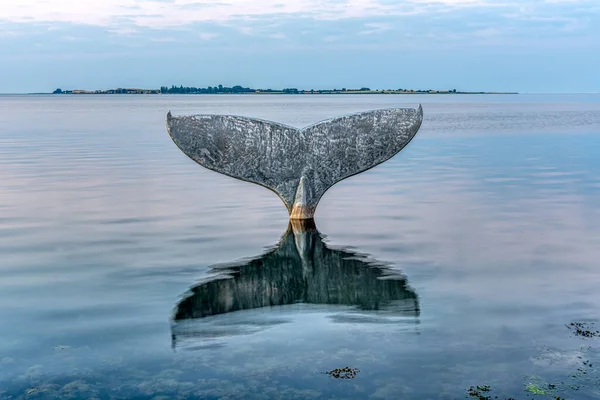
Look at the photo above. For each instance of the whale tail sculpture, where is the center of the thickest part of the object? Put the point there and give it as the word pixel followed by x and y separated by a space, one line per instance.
pixel 299 165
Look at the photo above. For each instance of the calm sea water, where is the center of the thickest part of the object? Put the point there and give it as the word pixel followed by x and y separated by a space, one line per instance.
pixel 115 247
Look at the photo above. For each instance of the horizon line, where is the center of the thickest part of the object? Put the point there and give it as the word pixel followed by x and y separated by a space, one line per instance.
pixel 216 94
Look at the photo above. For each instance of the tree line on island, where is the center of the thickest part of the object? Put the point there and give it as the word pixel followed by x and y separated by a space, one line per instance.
pixel 239 89
pixel 220 89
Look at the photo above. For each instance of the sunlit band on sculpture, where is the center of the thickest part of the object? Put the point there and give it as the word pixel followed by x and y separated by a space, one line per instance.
pixel 299 165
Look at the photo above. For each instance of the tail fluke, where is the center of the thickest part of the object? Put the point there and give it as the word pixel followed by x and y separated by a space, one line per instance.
pixel 300 165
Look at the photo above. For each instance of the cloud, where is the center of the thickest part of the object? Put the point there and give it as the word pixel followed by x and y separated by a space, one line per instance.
pixel 277 35
pixel 208 35
pixel 373 20
pixel 123 31
pixel 375 27
pixel 389 24
pixel 155 13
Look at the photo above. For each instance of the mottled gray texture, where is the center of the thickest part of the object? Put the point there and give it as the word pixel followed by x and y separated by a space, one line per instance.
pixel 297 164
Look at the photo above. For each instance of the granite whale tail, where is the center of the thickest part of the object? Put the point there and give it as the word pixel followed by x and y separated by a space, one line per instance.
pixel 299 165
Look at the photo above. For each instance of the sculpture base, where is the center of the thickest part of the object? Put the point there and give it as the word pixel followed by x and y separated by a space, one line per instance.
pixel 303 226
pixel 302 212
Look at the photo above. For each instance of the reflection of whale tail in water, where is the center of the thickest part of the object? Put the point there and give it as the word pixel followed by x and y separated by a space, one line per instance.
pixel 301 269
pixel 300 165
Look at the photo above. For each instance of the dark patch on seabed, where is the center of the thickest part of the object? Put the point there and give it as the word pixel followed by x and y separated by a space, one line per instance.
pixel 343 373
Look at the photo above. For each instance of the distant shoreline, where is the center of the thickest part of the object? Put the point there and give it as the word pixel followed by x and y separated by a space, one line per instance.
pixel 220 90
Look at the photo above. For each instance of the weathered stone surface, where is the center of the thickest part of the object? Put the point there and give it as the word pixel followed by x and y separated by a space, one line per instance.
pixel 297 164
pixel 301 269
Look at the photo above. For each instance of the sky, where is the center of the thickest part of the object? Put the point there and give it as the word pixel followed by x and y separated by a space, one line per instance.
pixel 529 46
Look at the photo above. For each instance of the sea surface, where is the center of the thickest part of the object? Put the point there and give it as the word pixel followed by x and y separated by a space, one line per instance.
pixel 455 269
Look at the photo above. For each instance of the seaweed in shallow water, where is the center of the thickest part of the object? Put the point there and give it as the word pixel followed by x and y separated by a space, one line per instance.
pixel 586 377
pixel 343 373
pixel 478 392
pixel 583 329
